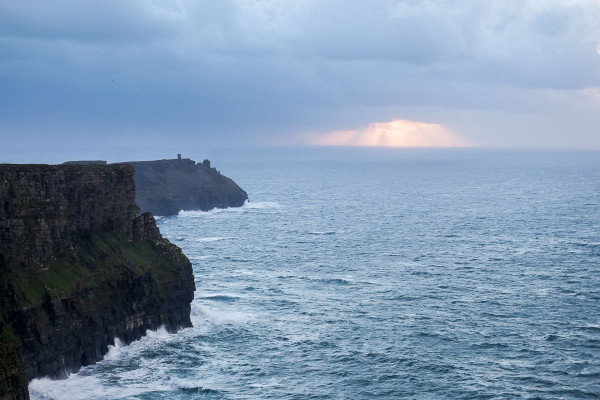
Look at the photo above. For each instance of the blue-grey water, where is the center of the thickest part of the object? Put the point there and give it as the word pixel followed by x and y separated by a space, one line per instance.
pixel 380 274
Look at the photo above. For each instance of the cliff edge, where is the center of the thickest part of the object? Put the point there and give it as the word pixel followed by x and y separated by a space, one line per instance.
pixel 78 268
pixel 164 187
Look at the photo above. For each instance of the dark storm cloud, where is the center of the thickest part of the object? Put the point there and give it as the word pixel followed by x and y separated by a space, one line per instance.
pixel 230 71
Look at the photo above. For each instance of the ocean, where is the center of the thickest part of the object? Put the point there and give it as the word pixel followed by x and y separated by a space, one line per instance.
pixel 380 274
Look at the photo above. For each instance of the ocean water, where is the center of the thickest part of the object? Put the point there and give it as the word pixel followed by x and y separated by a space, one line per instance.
pixel 380 274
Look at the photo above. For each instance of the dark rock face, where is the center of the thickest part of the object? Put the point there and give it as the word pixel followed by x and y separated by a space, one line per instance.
pixel 165 187
pixel 43 207
pixel 13 385
pixel 79 268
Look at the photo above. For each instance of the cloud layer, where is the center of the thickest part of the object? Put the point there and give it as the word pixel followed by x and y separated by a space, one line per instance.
pixel 499 72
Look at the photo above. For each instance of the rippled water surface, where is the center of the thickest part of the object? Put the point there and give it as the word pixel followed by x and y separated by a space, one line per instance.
pixel 380 274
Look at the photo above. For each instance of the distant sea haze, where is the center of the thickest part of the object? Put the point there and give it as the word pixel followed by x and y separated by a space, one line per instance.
pixel 378 273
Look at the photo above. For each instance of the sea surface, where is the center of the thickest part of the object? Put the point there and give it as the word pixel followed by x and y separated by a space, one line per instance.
pixel 380 274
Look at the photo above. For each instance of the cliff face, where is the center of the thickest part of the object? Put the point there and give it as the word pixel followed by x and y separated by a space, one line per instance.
pixel 165 187
pixel 43 207
pixel 79 268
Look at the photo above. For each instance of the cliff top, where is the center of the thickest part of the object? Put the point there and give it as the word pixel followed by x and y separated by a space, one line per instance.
pixel 164 187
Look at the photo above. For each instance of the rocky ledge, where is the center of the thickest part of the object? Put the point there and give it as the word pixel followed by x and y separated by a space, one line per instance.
pixel 164 187
pixel 79 267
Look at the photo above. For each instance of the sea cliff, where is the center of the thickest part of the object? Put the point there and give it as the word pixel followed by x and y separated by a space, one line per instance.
pixel 164 187
pixel 79 267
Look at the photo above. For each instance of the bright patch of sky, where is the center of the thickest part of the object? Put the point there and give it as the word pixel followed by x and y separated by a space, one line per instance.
pixel 398 133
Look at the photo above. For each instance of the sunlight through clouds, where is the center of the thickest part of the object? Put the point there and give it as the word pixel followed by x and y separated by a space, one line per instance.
pixel 397 133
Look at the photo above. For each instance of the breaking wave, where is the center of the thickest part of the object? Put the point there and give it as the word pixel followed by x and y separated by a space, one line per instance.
pixel 212 239
pixel 248 206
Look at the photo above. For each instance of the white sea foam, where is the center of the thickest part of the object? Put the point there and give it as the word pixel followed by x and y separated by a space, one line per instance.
pixel 160 333
pixel 75 387
pixel 80 386
pixel 184 383
pixel 212 239
pixel 120 350
pixel 261 205
pixel 203 313
pixel 206 257
pixel 114 351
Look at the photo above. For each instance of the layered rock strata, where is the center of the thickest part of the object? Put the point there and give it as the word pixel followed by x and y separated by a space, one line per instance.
pixel 78 268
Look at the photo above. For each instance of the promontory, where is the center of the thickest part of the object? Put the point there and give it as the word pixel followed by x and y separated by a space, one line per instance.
pixel 165 187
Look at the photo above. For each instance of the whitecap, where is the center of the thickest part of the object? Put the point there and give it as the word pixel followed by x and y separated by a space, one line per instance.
pixel 184 383
pixel 219 297
pixel 212 239
pixel 206 257
pixel 218 317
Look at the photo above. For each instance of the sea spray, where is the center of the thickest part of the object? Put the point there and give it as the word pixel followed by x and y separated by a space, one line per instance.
pixel 248 206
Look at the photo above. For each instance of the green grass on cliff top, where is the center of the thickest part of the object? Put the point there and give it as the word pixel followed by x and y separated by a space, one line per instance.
pixel 99 258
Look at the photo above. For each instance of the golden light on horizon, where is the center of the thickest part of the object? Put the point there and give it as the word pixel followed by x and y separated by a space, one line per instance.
pixel 598 48
pixel 397 133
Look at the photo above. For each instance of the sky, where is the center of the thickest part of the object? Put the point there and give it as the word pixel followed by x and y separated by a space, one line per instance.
pixel 93 77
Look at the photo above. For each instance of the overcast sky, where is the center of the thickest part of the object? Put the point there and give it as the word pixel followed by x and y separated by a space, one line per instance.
pixel 163 74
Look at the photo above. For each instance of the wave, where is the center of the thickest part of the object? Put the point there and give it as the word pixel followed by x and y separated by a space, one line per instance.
pixel 322 232
pixel 114 351
pixel 140 382
pixel 205 257
pixel 82 386
pixel 77 387
pixel 217 317
pixel 191 385
pixel 261 205
pixel 590 327
pixel 335 281
pixel 219 297
pixel 585 244
pixel 212 239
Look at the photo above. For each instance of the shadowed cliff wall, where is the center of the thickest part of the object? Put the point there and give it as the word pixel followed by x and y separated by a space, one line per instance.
pixel 79 267
pixel 164 187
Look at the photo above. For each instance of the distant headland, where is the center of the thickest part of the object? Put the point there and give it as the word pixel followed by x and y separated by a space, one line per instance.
pixel 165 187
